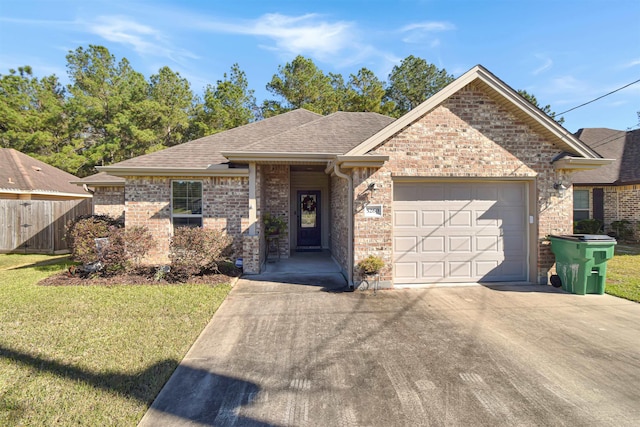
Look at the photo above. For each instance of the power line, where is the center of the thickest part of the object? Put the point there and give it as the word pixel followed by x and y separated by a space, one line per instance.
pixel 600 97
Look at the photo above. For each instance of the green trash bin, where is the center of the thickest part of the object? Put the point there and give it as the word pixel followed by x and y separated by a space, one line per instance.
pixel 581 261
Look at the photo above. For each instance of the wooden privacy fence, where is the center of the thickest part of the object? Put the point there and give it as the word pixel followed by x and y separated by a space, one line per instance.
pixel 38 226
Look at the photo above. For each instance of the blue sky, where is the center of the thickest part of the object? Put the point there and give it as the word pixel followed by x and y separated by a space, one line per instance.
pixel 566 52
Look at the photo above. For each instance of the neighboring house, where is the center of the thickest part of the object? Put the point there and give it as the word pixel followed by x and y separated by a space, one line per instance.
pixel 610 193
pixel 36 202
pixel 463 188
pixel 25 178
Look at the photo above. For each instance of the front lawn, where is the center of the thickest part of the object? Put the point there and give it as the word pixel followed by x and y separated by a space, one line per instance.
pixel 90 355
pixel 623 273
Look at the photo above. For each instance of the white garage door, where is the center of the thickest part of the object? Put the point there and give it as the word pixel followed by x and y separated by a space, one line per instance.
pixel 459 232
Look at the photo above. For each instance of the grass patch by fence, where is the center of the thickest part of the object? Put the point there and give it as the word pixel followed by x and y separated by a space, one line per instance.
pixel 90 355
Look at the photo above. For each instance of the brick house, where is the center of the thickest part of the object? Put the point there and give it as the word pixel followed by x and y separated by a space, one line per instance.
pixel 612 192
pixel 463 188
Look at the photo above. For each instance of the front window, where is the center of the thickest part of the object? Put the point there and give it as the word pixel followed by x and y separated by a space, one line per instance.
pixel 186 203
pixel 580 205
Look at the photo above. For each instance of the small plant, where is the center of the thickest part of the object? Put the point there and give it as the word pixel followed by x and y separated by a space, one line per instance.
pixel 274 225
pixel 371 265
pixel 587 226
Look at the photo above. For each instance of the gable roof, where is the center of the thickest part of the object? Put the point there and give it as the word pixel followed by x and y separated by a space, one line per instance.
pixel 20 173
pixel 504 95
pixel 623 146
pixel 205 153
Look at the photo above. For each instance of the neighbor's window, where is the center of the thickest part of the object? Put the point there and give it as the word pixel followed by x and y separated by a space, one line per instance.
pixel 186 203
pixel 580 204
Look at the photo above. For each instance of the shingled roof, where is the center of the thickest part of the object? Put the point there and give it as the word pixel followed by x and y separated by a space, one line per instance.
pixel 336 133
pixel 623 146
pixel 203 152
pixel 20 173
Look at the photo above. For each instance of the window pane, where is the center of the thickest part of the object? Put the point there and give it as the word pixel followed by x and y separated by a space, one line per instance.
pixel 187 197
pixel 581 199
pixel 580 215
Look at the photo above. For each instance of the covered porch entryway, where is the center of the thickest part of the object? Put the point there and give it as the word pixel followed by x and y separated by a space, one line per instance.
pixel 299 195
pixel 304 268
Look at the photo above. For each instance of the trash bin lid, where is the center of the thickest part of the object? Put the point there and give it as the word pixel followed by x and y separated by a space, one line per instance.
pixel 586 237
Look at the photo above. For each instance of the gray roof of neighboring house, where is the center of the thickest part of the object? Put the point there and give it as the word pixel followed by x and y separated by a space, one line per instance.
pixel 21 173
pixel 101 179
pixel 623 146
pixel 202 152
pixel 336 133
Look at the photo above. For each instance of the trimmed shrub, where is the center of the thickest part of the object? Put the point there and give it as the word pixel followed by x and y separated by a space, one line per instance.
pixel 82 232
pixel 122 249
pixel 195 250
pixel 587 226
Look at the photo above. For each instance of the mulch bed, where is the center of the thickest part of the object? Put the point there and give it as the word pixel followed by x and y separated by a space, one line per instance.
pixel 140 276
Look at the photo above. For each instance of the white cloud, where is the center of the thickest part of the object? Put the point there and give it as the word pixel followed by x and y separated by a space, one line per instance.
pixel 547 63
pixel 423 32
pixel 305 34
pixel 142 38
pixel 633 63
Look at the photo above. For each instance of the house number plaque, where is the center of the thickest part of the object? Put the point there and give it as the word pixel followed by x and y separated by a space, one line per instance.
pixel 373 211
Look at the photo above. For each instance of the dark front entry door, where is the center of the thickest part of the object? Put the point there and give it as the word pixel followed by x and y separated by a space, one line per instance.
pixel 309 218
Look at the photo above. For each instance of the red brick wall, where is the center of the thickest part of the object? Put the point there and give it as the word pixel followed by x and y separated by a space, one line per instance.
pixel 468 136
pixel 276 188
pixel 224 205
pixel 109 201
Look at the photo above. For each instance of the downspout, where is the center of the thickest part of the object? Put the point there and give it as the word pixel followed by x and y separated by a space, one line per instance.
pixel 339 173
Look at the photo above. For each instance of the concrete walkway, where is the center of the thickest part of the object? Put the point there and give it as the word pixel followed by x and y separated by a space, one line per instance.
pixel 286 354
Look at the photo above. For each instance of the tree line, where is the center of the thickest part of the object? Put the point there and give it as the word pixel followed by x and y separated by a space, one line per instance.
pixel 109 112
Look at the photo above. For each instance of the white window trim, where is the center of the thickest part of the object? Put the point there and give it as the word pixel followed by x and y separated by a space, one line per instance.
pixel 587 209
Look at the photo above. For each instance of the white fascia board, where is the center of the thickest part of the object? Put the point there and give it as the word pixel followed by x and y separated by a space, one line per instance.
pixel 46 193
pixel 142 171
pixel 374 161
pixel 580 163
pixel 243 156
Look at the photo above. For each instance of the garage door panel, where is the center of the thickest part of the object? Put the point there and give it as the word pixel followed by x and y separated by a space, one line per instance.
pixel 405 218
pixel 511 194
pixel 433 244
pixel 460 270
pixel 432 218
pixel 406 270
pixel 433 270
pixel 486 268
pixel 460 218
pixel 487 243
pixel 459 244
pixel 460 232
pixel 406 244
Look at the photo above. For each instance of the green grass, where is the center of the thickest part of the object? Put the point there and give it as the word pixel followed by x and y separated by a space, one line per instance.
pixel 90 355
pixel 623 273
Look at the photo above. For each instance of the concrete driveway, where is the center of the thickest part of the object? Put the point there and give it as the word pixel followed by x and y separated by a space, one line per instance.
pixel 282 354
